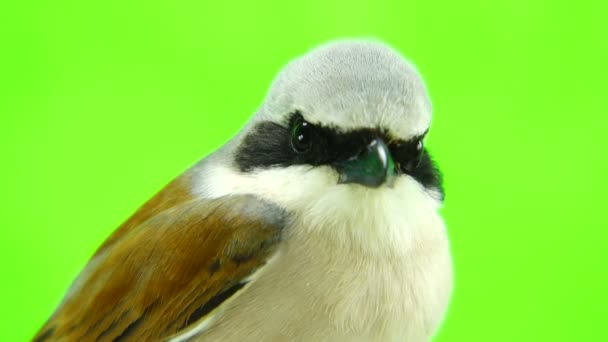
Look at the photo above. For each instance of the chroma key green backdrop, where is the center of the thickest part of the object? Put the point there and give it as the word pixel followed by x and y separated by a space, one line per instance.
pixel 102 103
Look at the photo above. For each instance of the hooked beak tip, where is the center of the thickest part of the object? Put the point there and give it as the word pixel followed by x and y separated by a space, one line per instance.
pixel 372 167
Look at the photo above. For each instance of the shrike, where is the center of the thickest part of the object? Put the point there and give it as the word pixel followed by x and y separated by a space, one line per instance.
pixel 317 222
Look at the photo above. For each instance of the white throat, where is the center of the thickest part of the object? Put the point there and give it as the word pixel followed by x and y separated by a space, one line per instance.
pixel 383 221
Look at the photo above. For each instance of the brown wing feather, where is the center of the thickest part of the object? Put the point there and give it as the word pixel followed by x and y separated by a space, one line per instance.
pixel 174 193
pixel 158 278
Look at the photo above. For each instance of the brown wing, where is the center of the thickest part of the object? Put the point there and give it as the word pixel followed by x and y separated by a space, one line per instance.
pixel 168 272
pixel 176 192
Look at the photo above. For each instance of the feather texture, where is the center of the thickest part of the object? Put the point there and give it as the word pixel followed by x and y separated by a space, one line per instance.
pixel 158 278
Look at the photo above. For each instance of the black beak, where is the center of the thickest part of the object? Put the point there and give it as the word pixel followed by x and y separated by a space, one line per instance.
pixel 371 167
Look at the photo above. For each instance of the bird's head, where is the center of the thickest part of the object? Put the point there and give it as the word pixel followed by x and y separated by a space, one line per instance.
pixel 342 127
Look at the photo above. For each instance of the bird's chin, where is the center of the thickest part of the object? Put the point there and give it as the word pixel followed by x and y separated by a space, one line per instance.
pixel 371 218
pixel 299 187
pixel 379 221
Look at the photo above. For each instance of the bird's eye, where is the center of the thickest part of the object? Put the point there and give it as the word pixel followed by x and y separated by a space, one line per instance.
pixel 409 155
pixel 302 134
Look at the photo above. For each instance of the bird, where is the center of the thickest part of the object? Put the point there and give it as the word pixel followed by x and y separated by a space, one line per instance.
pixel 318 221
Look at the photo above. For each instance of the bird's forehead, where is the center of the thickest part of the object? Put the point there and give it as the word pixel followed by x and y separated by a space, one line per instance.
pixel 353 85
pixel 402 121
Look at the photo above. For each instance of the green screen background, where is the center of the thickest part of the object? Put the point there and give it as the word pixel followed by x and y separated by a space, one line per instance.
pixel 102 103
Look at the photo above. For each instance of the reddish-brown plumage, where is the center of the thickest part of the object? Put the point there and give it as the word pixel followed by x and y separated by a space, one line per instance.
pixel 168 260
pixel 176 192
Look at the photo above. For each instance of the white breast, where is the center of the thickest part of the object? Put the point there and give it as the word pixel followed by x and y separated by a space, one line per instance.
pixel 356 264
